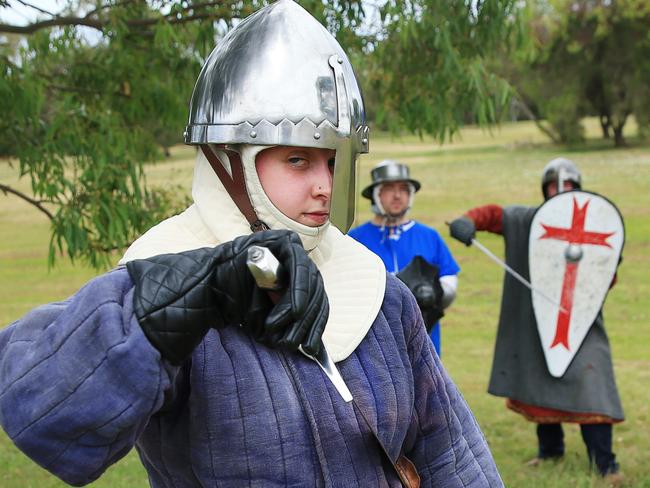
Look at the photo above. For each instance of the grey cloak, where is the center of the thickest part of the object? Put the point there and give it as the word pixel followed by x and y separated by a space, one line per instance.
pixel 519 369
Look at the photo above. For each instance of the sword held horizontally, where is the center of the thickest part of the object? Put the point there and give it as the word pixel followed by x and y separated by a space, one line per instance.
pixel 516 275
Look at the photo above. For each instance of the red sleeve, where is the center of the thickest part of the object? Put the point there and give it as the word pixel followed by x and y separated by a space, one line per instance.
pixel 487 217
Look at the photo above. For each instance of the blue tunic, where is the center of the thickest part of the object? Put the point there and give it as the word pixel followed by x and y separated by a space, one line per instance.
pixel 80 385
pixel 397 246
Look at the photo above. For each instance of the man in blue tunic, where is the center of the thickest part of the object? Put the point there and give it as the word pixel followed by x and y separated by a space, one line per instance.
pixel 180 354
pixel 398 240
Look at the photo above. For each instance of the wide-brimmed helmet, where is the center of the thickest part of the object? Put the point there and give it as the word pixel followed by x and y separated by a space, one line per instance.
pixel 560 170
pixel 388 171
pixel 280 78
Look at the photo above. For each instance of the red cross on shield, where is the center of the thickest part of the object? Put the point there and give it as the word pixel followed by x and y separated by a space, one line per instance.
pixel 576 239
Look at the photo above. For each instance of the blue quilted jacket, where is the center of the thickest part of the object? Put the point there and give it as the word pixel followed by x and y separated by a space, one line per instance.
pixel 80 385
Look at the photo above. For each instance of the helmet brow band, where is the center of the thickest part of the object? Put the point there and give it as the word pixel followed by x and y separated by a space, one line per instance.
pixel 235 185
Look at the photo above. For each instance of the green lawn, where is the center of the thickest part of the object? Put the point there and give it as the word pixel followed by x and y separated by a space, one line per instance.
pixel 503 167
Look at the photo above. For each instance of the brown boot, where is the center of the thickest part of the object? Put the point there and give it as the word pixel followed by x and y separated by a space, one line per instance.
pixel 614 479
pixel 533 463
pixel 536 461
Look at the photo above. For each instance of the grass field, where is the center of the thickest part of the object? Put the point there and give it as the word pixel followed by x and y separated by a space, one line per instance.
pixel 502 167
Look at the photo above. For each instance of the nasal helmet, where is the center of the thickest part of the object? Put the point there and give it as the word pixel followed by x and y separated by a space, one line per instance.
pixel 280 78
pixel 560 170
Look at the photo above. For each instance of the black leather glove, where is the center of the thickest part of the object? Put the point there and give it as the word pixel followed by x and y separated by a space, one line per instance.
pixel 429 299
pixel 463 229
pixel 178 297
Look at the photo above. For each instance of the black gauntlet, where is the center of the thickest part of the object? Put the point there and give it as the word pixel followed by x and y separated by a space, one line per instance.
pixel 178 297
pixel 463 229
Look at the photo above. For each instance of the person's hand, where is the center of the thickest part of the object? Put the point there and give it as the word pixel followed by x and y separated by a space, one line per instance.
pixel 429 299
pixel 178 297
pixel 463 229
pixel 300 313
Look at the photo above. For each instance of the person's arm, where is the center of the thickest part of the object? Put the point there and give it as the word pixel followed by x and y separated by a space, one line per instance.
pixel 487 217
pixel 444 440
pixel 79 380
pixel 449 284
pixel 448 269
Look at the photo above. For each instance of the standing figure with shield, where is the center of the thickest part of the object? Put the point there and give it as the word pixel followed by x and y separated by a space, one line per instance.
pixel 413 251
pixel 552 359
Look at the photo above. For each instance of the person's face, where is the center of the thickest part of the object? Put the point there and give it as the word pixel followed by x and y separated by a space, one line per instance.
pixel 551 189
pixel 298 181
pixel 394 197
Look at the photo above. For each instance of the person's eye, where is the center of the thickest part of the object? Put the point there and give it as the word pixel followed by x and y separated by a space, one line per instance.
pixel 297 161
pixel 331 163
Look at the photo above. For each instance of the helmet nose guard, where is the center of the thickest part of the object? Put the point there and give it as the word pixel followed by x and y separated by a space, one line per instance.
pixel 560 170
pixel 280 78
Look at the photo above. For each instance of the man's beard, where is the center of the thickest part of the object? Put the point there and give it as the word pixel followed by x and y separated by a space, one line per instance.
pixel 393 217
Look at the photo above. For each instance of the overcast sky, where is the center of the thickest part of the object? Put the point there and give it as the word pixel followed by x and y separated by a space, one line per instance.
pixel 19 14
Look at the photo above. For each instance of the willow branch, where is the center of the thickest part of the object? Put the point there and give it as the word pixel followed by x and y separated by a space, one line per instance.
pixel 54 22
pixel 529 113
pixel 26 4
pixel 37 203
pixel 100 25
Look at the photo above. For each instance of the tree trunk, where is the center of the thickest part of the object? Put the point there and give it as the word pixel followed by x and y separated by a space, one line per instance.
pixel 546 130
pixel 619 140
pixel 605 124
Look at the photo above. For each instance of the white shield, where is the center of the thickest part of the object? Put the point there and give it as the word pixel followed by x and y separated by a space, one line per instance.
pixel 576 239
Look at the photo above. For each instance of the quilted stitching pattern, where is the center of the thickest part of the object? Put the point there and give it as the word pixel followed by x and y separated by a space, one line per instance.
pixel 174 301
pixel 81 385
pixel 178 297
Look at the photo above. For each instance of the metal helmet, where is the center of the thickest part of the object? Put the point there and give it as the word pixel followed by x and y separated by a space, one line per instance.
pixel 387 171
pixel 280 78
pixel 560 170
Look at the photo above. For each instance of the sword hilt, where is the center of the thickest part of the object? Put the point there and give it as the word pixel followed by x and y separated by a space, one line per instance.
pixel 264 267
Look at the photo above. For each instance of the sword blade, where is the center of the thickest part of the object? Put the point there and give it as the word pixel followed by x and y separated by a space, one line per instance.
pixel 324 360
pixel 516 275
pixel 265 269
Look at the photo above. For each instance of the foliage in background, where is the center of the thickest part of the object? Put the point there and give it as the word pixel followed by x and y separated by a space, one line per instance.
pixel 426 70
pixel 91 93
pixel 94 91
pixel 587 57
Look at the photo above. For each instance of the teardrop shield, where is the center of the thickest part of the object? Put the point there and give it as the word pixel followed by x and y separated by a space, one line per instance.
pixel 576 240
pixel 280 78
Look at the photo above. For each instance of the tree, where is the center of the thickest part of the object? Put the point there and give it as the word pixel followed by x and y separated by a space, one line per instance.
pixel 589 57
pixel 92 93
pixel 427 68
pixel 96 90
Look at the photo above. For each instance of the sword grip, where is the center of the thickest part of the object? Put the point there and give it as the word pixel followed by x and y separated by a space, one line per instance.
pixel 266 271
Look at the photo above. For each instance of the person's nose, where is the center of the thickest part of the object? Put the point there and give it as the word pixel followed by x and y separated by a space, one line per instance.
pixel 323 180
